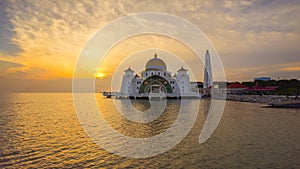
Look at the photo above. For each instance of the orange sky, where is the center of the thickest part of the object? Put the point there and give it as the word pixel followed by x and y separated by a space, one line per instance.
pixel 41 40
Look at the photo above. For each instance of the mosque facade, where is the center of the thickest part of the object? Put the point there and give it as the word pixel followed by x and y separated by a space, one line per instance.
pixel 157 81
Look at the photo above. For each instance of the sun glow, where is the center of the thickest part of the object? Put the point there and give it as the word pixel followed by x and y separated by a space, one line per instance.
pixel 100 75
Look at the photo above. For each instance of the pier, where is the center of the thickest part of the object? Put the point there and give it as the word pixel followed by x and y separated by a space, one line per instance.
pixel 119 95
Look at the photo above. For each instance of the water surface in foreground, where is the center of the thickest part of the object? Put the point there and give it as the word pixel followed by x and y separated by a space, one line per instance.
pixel 42 130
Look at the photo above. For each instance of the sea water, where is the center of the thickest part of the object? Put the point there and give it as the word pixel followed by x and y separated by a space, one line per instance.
pixel 41 130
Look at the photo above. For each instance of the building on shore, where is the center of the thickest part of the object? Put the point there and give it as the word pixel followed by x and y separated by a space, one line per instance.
pixel 236 88
pixel 262 78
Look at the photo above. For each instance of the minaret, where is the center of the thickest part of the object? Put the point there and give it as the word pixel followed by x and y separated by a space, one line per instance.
pixel 183 81
pixel 208 81
pixel 126 82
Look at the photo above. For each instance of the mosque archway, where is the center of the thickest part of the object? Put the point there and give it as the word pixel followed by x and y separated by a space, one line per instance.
pixel 154 82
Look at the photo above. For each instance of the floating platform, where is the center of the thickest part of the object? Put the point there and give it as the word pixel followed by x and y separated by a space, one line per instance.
pixel 149 96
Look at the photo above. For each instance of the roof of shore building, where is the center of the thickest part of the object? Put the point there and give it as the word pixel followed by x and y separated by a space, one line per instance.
pixel 237 86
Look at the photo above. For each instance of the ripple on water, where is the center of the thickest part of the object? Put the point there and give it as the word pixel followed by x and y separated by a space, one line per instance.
pixel 41 130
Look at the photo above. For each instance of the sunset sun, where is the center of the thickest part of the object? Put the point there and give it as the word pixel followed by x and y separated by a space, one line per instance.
pixel 100 75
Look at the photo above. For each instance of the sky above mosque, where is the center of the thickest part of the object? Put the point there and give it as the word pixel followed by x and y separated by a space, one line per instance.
pixel 41 40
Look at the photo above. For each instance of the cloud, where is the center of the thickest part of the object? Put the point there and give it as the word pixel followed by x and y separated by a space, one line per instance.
pixel 17 70
pixel 291 69
pixel 6 67
pixel 276 71
pixel 6 46
pixel 52 39
pixel 5 64
pixel 51 34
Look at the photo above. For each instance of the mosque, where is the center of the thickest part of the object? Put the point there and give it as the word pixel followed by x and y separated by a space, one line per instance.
pixel 157 82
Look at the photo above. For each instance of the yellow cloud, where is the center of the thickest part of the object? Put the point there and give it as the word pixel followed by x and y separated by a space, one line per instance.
pixel 291 69
pixel 52 39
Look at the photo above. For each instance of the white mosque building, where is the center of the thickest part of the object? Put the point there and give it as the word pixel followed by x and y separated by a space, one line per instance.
pixel 157 81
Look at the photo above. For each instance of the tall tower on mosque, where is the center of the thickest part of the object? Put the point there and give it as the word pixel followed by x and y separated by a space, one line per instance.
pixel 208 80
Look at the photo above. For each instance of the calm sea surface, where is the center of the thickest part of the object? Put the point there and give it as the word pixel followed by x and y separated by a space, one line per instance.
pixel 41 130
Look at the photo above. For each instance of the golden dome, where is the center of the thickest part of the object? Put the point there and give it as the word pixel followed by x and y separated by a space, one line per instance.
pixel 156 63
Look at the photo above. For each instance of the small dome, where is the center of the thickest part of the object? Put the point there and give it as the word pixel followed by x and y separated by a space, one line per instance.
pixel 156 63
pixel 129 70
pixel 182 69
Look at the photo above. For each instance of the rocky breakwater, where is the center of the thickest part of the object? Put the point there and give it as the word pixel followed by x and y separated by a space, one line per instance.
pixel 272 100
